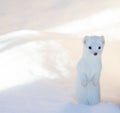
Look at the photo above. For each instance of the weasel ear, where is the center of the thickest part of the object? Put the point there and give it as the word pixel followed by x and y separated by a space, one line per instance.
pixel 85 39
pixel 103 39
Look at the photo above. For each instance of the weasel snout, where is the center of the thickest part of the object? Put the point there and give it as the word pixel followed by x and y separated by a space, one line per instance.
pixel 95 54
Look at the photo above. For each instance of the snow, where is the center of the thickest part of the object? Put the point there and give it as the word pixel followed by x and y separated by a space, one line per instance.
pixel 35 77
pixel 47 96
pixel 103 22
pixel 37 69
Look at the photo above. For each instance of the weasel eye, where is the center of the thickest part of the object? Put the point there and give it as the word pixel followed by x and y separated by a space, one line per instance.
pixel 90 47
pixel 99 47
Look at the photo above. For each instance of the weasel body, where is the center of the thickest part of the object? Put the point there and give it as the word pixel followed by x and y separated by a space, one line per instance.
pixel 88 71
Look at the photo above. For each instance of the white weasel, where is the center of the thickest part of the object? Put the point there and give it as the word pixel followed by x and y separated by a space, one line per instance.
pixel 88 71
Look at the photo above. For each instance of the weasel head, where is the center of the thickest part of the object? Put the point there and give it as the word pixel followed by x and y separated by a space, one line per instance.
pixel 93 45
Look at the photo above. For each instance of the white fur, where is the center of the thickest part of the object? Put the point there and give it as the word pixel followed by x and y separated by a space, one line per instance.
pixel 88 71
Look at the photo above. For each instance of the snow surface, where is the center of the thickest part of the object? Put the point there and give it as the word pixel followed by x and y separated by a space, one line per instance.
pixel 105 22
pixel 35 75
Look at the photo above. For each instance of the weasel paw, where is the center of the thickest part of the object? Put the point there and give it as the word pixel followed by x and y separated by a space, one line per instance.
pixel 95 83
pixel 84 84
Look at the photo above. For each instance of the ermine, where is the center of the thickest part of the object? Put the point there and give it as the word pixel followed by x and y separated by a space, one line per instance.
pixel 88 71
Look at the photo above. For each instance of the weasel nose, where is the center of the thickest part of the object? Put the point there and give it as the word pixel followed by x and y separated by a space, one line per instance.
pixel 95 54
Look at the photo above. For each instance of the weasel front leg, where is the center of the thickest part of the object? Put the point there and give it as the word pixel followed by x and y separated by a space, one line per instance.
pixel 94 90
pixel 95 79
pixel 81 88
pixel 82 78
pixel 84 81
